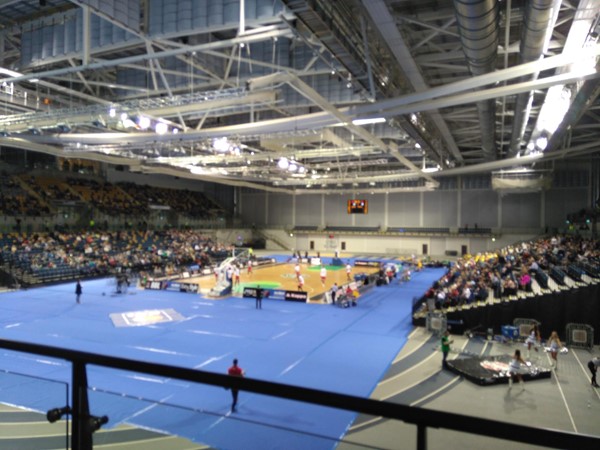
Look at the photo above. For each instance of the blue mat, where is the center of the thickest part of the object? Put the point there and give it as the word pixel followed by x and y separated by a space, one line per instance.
pixel 319 346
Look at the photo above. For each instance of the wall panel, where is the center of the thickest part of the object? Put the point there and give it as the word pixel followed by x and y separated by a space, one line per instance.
pixel 479 207
pixel 336 211
pixel 280 209
pixel 521 210
pixel 404 209
pixel 253 209
pixel 308 210
pixel 560 202
pixel 440 209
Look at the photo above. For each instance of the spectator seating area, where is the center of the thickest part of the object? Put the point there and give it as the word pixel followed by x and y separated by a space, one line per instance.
pixel 34 196
pixel 516 273
pixel 16 199
pixel 47 257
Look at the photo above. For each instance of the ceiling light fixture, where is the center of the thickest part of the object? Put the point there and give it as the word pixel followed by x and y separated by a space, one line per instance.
pixel 368 121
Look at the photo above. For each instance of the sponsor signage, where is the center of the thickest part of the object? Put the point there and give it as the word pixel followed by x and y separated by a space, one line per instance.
pixel 363 263
pixel 188 287
pixel 277 294
pixel 156 285
pixel 249 292
pixel 296 296
pixel 172 286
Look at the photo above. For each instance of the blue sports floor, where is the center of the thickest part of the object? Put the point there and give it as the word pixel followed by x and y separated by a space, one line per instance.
pixel 311 345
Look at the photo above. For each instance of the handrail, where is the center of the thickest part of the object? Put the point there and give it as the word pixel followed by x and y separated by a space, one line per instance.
pixel 420 417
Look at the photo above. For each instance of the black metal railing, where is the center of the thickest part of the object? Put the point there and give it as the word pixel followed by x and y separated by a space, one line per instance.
pixel 84 424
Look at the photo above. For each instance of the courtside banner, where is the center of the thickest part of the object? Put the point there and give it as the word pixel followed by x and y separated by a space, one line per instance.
pixel 188 287
pixel 363 263
pixel 173 286
pixel 277 294
pixel 154 285
pixel 249 292
pixel 296 296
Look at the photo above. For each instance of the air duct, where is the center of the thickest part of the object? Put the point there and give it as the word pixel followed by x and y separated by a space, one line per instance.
pixel 478 27
pixel 540 17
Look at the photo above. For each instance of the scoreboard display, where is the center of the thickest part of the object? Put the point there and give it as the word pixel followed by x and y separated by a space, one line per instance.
pixel 356 206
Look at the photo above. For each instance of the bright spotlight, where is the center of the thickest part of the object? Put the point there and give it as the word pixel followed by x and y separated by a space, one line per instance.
pixel 283 163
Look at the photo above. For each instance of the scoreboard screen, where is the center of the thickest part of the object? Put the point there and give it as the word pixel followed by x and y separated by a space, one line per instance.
pixel 356 206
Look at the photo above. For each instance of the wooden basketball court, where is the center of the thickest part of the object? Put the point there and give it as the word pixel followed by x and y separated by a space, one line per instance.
pixel 282 276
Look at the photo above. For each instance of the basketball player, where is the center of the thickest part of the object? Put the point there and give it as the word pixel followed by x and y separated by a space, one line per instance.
pixel 236 276
pixel 300 283
pixel 249 267
pixel 323 275
pixel 297 270
pixel 348 271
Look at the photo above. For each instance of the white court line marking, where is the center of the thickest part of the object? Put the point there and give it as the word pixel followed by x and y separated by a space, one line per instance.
pixel 562 395
pixel 431 394
pixel 588 376
pixel 410 353
pixel 483 349
pixel 387 380
pixel 368 422
pixel 405 388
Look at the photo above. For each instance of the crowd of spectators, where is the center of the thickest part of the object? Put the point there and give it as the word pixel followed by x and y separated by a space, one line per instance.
pixel 188 203
pixel 100 253
pixel 122 199
pixel 108 198
pixel 511 270
pixel 15 200
pixel 51 190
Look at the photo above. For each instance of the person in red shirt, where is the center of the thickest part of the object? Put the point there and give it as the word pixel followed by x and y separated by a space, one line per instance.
pixel 235 371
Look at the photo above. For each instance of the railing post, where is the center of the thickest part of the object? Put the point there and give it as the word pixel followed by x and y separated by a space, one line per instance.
pixel 421 437
pixel 81 438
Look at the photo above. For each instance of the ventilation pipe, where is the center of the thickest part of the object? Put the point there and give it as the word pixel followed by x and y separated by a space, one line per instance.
pixel 540 18
pixel 478 27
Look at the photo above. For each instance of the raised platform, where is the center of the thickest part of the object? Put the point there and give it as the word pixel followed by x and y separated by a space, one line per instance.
pixel 490 370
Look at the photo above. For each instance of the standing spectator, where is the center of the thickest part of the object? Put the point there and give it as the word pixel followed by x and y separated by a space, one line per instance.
pixel 235 371
pixel 259 296
pixel 78 291
pixel 333 292
pixel 445 347
pixel 593 366
pixel 555 345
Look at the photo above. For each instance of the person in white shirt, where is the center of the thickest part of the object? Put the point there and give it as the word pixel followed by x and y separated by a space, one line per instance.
pixel 323 275
pixel 348 272
pixel 334 291
pixel 300 283
pixel 236 276
pixel 297 270
pixel 514 369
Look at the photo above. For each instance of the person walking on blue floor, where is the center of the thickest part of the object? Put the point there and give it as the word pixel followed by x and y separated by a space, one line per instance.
pixel 593 366
pixel 78 291
pixel 235 371
pixel 445 347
